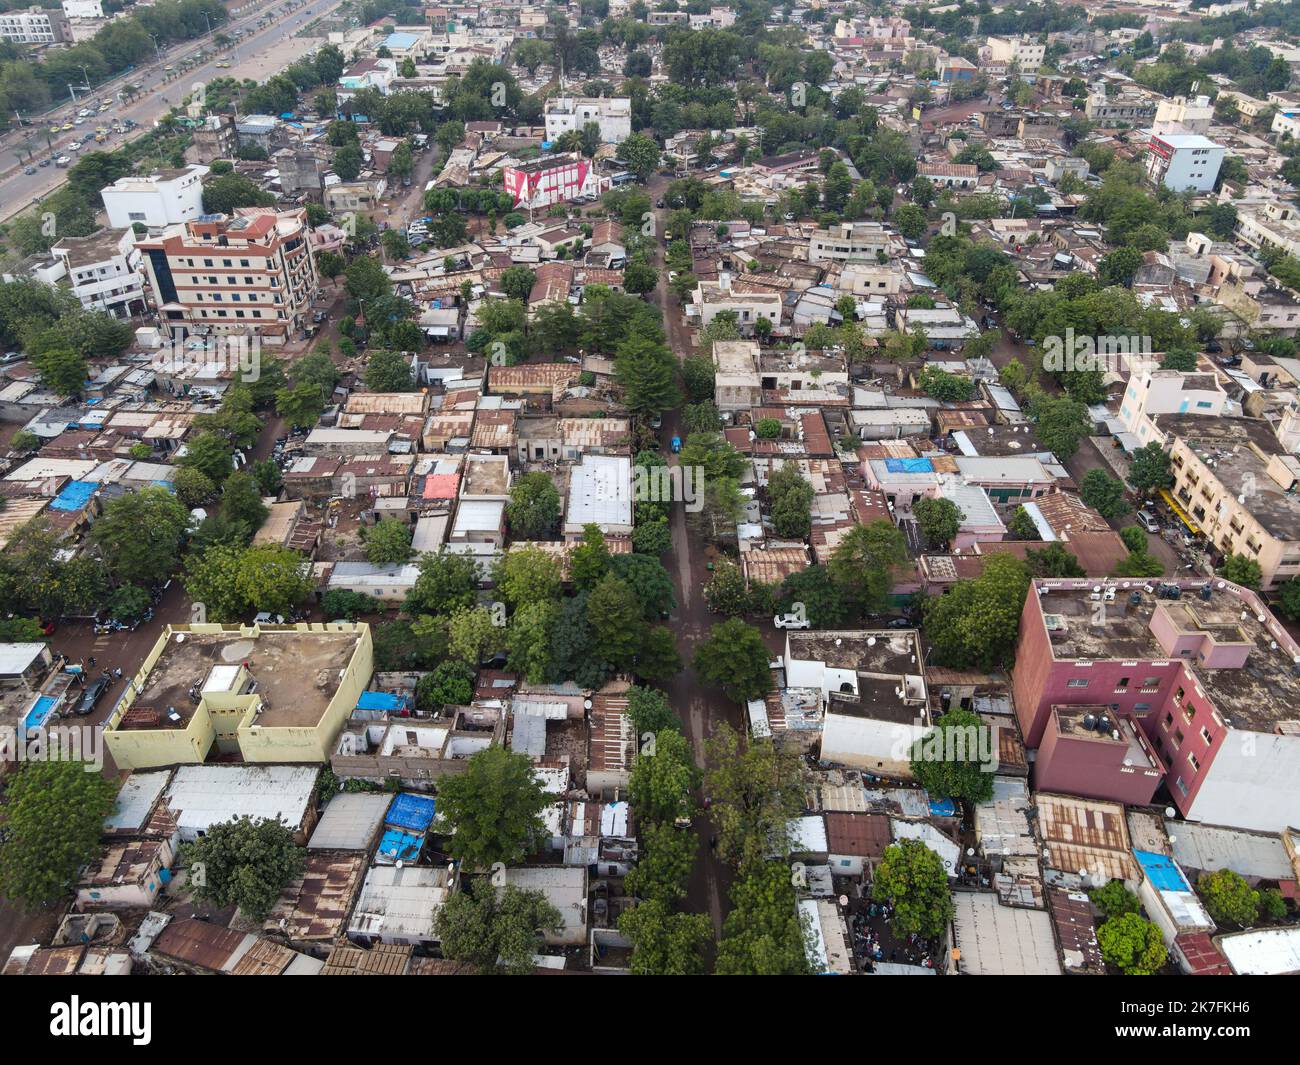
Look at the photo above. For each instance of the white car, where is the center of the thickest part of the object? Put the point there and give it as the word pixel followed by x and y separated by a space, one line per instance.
pixel 791 621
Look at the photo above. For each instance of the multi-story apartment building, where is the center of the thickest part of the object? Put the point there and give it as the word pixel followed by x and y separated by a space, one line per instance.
pixel 848 241
pixel 1123 108
pixel 613 115
pixel 165 198
pixel 36 25
pixel 1195 679
pixel 1027 53
pixel 1153 392
pixel 1184 161
pixel 1181 115
pixel 555 179
pixel 103 271
pixel 748 302
pixel 1239 485
pixel 218 274
pixel 1270 225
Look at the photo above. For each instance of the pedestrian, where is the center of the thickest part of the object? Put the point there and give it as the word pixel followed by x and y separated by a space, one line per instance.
pixel 92 661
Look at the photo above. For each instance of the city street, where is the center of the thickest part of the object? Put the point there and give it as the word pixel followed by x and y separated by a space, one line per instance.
pixel 258 56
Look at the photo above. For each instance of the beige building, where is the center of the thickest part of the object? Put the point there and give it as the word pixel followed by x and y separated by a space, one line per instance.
pixel 1232 476
pixel 250 274
pixel 258 693
pixel 736 384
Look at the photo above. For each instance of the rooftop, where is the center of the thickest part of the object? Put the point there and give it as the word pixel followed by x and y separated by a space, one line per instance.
pixel 1259 693
pixel 1239 450
pixel 296 672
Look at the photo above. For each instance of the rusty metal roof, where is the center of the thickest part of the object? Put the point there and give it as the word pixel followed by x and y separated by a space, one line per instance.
pixel 317 905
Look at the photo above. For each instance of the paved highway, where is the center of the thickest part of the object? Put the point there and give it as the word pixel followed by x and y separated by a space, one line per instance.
pixel 259 55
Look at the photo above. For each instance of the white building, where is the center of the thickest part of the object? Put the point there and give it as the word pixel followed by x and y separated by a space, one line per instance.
pixel 600 493
pixel 398 904
pixel 1025 52
pixel 83 8
pixel 1181 115
pixel 34 26
pixel 103 271
pixel 1168 392
pixel 1183 161
pixel 613 115
pixel 165 198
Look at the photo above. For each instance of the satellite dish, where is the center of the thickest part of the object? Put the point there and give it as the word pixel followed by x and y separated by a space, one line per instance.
pixel 1170 812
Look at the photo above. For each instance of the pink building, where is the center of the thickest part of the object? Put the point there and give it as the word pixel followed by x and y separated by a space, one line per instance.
pixel 1211 678
pixel 1094 752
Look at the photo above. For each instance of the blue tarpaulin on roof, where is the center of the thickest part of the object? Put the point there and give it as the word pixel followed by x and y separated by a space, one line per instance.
pixel 1161 870
pixel 75 496
pixel 909 465
pixel 943 808
pixel 399 846
pixel 414 812
pixel 380 701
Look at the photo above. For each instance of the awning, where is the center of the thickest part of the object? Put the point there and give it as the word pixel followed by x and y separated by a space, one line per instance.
pixel 1182 514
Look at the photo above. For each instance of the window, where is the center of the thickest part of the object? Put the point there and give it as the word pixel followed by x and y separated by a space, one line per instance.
pixel 1205 735
pixel 1178 737
pixel 1195 764
pixel 1122 684
pixel 1169 720
pixel 1077 682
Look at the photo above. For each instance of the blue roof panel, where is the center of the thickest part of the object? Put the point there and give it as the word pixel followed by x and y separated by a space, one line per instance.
pixel 1162 871
pixel 410 811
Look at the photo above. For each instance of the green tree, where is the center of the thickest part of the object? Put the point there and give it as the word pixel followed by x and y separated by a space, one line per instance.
pixel 527 575
pixel 589 561
pixel 447 582
pixel 490 930
pixel 493 809
pixel 209 453
pixel 474 635
pixel 663 777
pixel 517 282
pixel 53 818
pixel 762 935
pixel 734 657
pixel 950 762
pixel 1150 469
pixel 649 582
pixel 451 684
pixel 245 862
pixel 1021 526
pixel 62 370
pixel 792 498
pixel 388 542
pixel 528 639
pixel 911 879
pixel 1228 899
pixel 300 405
pixel 1103 493
pixel 1113 899
pixel 646 370
pixel 388 371
pixel 140 535
pixel 866 560
pixel 975 623
pixel 534 507
pixel 615 616
pixel 1132 944
pixel 641 155
pixel 193 486
pixel 649 710
pixel 756 787
pixel 1242 570
pixel 665 943
pixel 938 519
pixel 1062 423
pixel 664 863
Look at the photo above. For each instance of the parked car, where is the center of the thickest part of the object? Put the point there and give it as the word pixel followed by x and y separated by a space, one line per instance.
pixel 1148 521
pixel 677 443
pixel 267 618
pixel 900 623
pixel 791 621
pixel 94 691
